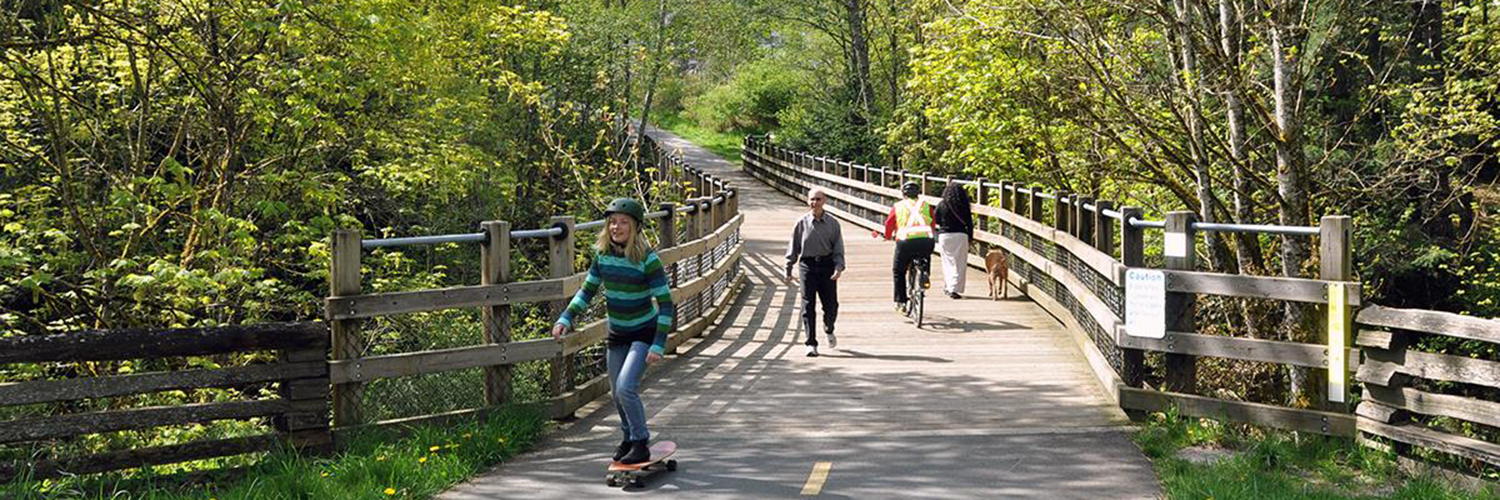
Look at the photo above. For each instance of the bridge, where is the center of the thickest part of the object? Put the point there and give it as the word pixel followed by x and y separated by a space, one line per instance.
pixel 1027 397
pixel 990 399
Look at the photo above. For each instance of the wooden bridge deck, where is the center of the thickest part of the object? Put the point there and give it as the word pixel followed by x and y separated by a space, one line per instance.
pixel 992 400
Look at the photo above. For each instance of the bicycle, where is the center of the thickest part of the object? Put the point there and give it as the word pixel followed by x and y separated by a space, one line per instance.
pixel 917 282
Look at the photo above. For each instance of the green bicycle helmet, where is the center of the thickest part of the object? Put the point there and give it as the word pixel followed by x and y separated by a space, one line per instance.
pixel 629 207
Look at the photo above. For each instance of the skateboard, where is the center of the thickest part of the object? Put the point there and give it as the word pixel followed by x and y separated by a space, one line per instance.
pixel 635 474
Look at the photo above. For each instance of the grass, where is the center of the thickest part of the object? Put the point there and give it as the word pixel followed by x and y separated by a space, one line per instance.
pixel 1259 463
pixel 725 144
pixel 375 465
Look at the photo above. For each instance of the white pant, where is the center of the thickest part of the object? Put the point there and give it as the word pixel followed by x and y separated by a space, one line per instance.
pixel 955 250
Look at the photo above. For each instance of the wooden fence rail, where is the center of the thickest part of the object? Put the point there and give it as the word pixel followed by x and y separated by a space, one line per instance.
pixel 1070 254
pixel 299 414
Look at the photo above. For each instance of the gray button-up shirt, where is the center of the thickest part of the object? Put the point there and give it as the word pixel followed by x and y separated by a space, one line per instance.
pixel 814 237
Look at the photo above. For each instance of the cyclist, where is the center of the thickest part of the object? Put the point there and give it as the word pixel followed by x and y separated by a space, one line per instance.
pixel 910 223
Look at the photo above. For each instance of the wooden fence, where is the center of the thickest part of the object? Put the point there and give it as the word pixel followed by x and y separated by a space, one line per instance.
pixel 298 415
pixel 698 242
pixel 1070 254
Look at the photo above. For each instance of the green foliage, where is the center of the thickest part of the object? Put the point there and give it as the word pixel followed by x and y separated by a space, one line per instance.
pixel 751 101
pixel 1251 463
pixel 376 465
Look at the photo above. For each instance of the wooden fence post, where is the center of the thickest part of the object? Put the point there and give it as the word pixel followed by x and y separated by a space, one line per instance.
pixel 1035 210
pixel 1104 229
pixel 1060 211
pixel 344 279
pixel 1132 254
pixel 1180 254
pixel 666 235
pixel 495 269
pixel 1084 221
pixel 1335 263
pixel 561 252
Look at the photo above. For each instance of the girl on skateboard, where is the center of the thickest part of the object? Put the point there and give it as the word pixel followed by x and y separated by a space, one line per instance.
pixel 631 275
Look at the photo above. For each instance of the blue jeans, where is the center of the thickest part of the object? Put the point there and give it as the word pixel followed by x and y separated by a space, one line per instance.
pixel 626 365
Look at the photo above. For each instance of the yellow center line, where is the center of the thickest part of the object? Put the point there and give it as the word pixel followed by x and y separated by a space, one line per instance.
pixel 816 479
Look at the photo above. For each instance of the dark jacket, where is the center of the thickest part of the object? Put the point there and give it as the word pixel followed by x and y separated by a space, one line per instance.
pixel 955 218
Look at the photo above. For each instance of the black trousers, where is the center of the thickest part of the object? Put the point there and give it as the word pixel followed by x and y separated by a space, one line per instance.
pixel 918 251
pixel 818 284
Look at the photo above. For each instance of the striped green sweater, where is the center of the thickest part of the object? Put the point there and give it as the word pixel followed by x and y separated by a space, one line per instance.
pixel 628 290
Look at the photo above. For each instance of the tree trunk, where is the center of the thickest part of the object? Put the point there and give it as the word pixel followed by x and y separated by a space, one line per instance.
pixel 1292 184
pixel 1247 247
pixel 1190 79
pixel 859 55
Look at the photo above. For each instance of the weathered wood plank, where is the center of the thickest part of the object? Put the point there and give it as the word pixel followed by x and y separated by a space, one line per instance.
pixel 1267 351
pixel 1445 405
pixel 1322 422
pixel 1379 339
pixel 33 429
pixel 112 345
pixel 1442 323
pixel 1376 411
pixel 1376 372
pixel 442 360
pixel 158 455
pixel 383 304
pixel 1418 435
pixel 48 391
pixel 1443 367
pixel 1257 287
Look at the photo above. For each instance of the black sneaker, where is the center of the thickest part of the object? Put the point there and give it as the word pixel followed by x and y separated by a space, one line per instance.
pixel 955 295
pixel 639 453
pixel 624 448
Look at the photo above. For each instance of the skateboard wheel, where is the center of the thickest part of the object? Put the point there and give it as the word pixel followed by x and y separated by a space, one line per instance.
pixel 671 465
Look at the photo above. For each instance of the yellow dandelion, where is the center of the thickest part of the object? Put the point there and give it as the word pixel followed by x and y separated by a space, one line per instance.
pixel 422 460
pixel 325 474
pixel 468 435
pixel 390 491
pixel 502 440
pixel 380 458
pixel 435 448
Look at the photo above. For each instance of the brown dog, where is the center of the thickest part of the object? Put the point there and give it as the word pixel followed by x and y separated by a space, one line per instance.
pixel 999 271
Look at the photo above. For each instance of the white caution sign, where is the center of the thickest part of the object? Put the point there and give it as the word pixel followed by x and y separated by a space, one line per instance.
pixel 1145 303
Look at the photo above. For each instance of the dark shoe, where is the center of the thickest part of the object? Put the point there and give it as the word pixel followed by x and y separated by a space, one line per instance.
pixel 901 306
pixel 639 453
pixel 954 295
pixel 624 448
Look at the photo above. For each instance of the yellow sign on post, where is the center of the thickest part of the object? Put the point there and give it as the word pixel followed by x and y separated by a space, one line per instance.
pixel 1338 334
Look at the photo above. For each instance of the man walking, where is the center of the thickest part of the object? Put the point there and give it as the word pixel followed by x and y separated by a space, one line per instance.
pixel 817 253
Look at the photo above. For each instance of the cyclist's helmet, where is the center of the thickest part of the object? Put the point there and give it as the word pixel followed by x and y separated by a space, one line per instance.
pixel 910 189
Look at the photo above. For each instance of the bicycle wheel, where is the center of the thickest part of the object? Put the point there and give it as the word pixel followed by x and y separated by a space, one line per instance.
pixel 915 295
pixel 918 301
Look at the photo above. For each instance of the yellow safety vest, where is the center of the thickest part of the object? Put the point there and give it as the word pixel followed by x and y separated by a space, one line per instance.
pixel 912 221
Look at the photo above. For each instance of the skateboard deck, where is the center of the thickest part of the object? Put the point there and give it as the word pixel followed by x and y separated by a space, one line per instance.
pixel 634 474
